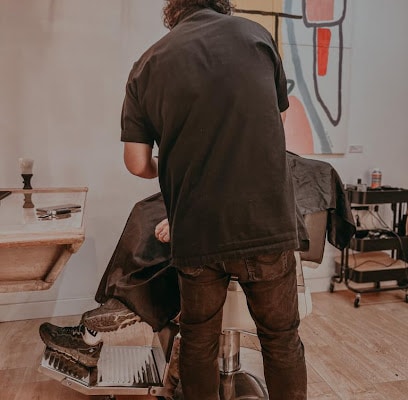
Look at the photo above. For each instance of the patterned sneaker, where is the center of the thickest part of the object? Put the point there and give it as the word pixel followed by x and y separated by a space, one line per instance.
pixel 110 316
pixel 70 342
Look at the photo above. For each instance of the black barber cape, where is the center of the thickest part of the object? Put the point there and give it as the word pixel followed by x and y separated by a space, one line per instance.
pixel 140 274
pixel 318 187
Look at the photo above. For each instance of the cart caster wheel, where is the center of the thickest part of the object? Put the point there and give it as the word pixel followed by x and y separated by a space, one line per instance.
pixel 357 302
pixel 331 288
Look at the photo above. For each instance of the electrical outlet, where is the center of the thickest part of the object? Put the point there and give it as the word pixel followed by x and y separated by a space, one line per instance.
pixel 355 148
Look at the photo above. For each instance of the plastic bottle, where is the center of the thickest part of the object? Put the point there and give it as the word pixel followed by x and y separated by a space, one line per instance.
pixel 361 187
pixel 376 176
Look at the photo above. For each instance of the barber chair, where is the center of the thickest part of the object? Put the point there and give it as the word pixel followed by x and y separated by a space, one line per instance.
pixel 146 370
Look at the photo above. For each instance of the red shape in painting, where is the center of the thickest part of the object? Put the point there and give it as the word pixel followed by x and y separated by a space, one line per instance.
pixel 323 44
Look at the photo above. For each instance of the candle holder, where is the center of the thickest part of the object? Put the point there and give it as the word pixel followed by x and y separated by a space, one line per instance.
pixel 27 181
pixel 28 203
pixel 26 166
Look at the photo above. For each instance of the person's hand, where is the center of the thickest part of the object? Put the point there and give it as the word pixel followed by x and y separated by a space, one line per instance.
pixel 162 231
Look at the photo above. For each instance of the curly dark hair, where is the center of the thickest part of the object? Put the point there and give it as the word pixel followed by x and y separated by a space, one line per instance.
pixel 174 10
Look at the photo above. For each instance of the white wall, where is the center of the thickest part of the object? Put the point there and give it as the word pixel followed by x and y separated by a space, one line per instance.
pixel 63 68
pixel 379 94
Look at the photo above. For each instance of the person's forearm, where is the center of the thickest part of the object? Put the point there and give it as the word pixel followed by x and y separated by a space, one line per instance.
pixel 152 171
pixel 139 161
pixel 149 172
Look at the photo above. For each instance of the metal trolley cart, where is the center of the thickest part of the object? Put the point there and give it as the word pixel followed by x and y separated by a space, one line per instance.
pixel 379 255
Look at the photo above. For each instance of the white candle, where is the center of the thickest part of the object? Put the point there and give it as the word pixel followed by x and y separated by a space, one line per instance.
pixel 26 165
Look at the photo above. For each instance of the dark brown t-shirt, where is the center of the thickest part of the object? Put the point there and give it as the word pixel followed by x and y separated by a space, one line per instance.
pixel 210 94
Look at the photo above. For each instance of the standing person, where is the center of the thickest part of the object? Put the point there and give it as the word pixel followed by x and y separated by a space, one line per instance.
pixel 210 93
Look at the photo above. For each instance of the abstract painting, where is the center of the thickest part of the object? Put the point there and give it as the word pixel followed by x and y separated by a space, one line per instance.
pixel 314 41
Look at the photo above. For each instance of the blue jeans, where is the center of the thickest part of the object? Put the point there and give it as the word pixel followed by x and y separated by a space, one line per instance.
pixel 270 286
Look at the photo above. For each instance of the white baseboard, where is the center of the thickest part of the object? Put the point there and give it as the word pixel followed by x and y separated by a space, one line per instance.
pixel 45 309
pixel 65 307
pixel 318 284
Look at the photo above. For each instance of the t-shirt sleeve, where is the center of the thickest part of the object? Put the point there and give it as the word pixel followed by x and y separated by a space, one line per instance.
pixel 280 81
pixel 134 125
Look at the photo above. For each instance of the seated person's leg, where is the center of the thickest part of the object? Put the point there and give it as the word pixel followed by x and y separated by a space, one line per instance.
pixel 83 343
pixel 110 316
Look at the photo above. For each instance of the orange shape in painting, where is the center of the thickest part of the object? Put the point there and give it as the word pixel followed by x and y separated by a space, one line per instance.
pixel 319 10
pixel 299 138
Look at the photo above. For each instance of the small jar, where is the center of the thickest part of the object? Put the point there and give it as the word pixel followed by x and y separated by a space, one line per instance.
pixel 376 176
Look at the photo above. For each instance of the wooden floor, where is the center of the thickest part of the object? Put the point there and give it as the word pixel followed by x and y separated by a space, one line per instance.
pixel 352 353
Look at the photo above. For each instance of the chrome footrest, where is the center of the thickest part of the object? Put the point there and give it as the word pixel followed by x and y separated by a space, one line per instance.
pixel 137 370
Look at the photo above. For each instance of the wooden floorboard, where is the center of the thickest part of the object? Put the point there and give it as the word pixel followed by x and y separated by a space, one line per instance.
pixel 351 353
pixel 359 353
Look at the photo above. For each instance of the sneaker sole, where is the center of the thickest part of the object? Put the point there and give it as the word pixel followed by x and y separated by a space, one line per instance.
pixel 109 323
pixel 65 364
pixel 76 356
pixel 79 358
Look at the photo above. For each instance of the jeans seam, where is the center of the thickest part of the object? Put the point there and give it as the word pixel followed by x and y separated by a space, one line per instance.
pixel 223 266
pixel 251 268
pixel 285 260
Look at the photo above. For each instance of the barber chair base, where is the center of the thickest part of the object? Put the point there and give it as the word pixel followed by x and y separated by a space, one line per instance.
pixel 247 383
pixel 241 369
pixel 243 386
